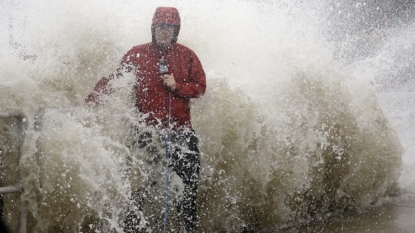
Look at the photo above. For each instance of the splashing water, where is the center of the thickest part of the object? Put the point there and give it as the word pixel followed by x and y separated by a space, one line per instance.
pixel 288 130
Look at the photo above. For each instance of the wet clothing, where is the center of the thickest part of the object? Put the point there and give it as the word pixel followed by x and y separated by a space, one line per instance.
pixel 166 15
pixel 184 161
pixel 152 99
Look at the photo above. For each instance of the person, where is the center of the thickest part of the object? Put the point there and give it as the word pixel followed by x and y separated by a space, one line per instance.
pixel 168 75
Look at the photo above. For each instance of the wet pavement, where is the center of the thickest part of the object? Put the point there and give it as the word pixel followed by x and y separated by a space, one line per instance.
pixel 398 217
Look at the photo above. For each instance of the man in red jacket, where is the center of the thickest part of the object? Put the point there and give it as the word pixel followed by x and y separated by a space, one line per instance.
pixel 168 75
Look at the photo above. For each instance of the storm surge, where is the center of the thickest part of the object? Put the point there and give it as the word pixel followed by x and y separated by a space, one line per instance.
pixel 312 151
pixel 288 132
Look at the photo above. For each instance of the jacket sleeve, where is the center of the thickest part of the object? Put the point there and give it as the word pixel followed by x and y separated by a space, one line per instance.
pixel 102 86
pixel 196 85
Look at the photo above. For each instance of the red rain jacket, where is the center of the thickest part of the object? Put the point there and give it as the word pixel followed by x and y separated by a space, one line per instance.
pixel 152 97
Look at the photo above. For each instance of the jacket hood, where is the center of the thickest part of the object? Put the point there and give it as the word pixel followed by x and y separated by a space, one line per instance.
pixel 167 15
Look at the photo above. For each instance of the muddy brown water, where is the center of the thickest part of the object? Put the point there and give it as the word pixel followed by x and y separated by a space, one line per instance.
pixel 389 218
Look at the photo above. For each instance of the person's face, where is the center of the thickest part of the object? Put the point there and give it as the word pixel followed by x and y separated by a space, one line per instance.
pixel 163 33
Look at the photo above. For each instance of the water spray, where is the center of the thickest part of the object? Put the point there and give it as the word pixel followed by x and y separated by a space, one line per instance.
pixel 163 69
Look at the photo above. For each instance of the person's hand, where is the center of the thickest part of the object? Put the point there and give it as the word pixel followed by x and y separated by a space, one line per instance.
pixel 169 82
pixel 91 104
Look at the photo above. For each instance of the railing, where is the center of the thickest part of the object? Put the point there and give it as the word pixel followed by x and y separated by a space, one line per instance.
pixel 17 188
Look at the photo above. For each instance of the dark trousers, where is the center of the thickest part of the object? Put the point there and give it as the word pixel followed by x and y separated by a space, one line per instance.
pixel 184 161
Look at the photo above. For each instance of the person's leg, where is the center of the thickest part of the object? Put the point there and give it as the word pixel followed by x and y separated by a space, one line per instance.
pixel 190 180
pixel 187 167
pixel 143 142
pixel 131 222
